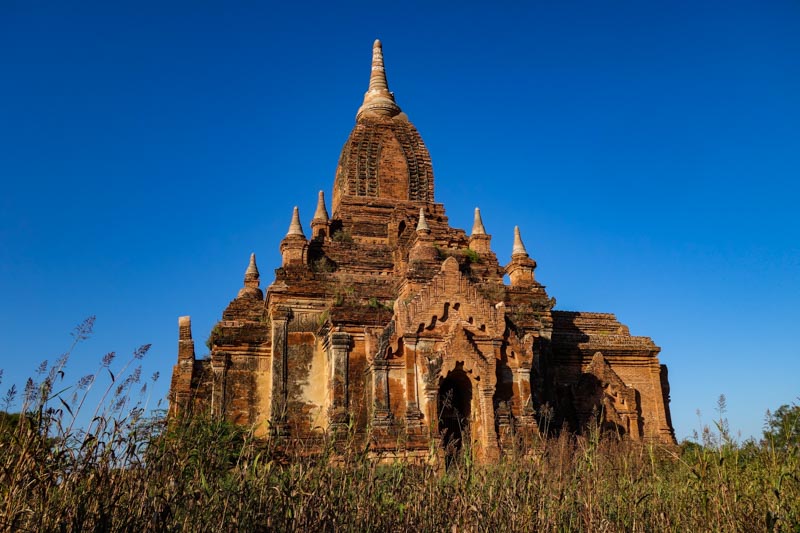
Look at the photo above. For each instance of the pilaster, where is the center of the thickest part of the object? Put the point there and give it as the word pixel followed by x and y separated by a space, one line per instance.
pixel 219 370
pixel 339 347
pixel 414 419
pixel 280 352
pixel 490 449
pixel 381 412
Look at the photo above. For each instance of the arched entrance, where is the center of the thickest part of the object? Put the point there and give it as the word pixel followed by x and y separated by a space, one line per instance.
pixel 454 407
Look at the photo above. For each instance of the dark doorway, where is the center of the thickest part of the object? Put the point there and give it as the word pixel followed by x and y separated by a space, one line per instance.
pixel 455 399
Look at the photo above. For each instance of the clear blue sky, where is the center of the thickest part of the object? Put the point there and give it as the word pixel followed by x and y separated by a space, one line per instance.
pixel 649 151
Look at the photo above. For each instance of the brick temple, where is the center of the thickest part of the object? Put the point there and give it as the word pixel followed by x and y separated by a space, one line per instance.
pixel 385 321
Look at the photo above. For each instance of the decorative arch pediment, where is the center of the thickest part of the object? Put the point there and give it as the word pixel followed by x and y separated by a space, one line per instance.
pixel 453 347
pixel 611 382
pixel 517 351
pixel 601 389
pixel 450 296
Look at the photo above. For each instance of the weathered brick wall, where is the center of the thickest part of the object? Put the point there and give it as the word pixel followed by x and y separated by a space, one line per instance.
pixel 578 336
pixel 365 322
pixel 302 410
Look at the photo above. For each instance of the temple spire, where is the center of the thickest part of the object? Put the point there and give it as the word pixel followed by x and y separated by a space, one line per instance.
pixel 319 224
pixel 378 100
pixel 424 248
pixel 251 281
pixel 477 225
pixel 251 274
pixel 295 228
pixel 377 78
pixel 321 213
pixel 519 248
pixel 422 225
pixel 520 269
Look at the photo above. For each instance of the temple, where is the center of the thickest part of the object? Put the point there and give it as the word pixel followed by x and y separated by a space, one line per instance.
pixel 386 322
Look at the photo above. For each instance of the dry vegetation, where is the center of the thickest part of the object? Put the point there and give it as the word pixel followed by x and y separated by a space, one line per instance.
pixel 123 471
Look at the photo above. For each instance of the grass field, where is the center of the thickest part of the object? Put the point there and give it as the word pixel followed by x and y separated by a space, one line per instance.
pixel 120 471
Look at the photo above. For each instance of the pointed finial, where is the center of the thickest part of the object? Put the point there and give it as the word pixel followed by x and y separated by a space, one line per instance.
pixel 321 213
pixel 422 225
pixel 378 99
pixel 295 228
pixel 251 274
pixel 519 248
pixel 251 281
pixel 477 225
pixel 377 78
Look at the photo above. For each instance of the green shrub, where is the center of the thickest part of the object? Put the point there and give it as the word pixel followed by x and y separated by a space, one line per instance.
pixel 472 256
pixel 341 236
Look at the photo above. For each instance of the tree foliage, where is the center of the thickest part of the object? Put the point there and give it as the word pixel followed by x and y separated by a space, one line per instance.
pixel 782 428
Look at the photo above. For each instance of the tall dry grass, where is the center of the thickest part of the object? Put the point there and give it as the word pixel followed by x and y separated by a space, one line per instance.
pixel 121 471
